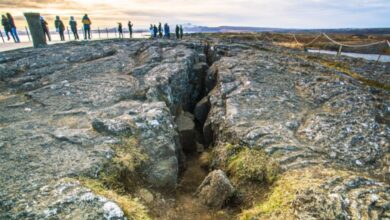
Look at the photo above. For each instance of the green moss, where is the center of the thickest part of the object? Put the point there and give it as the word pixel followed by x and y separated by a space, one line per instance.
pixel 132 208
pixel 278 205
pixel 128 154
pixel 118 176
pixel 253 165
pixel 344 68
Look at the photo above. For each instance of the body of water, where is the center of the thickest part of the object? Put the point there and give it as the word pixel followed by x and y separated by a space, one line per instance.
pixel 373 57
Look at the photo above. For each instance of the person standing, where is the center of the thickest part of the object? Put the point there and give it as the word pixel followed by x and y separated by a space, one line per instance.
pixel 73 27
pixel 181 31
pixel 130 25
pixel 87 27
pixel 155 30
pixel 151 31
pixel 168 31
pixel 120 30
pixel 177 32
pixel 7 27
pixel 45 28
pixel 60 27
pixel 14 32
pixel 160 30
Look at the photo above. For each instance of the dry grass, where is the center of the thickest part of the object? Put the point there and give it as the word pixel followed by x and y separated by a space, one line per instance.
pixel 118 176
pixel 344 68
pixel 278 205
pixel 132 208
pixel 72 122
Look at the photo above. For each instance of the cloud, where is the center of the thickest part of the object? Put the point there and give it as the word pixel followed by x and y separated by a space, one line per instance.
pixel 31 3
pixel 266 13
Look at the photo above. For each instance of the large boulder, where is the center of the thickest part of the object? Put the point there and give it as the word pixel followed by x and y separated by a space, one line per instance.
pixel 215 190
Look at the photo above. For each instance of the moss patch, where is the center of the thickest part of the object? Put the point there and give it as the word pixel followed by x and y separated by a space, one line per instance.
pixel 344 68
pixel 278 205
pixel 119 177
pixel 132 208
pixel 252 165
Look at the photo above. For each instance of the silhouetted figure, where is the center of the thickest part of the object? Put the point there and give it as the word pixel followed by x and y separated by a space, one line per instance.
pixel 45 28
pixel 120 30
pixel 87 27
pixel 167 32
pixel 60 27
pixel 130 25
pixel 151 30
pixel 155 30
pixel 177 31
pixel 14 32
pixel 160 30
pixel 6 25
pixel 73 27
pixel 181 31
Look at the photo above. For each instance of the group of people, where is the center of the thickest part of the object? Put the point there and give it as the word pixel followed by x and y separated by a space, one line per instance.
pixel 155 31
pixel 60 27
pixel 120 29
pixel 159 31
pixel 9 27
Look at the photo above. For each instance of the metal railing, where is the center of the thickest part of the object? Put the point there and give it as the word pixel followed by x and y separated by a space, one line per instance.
pixel 96 34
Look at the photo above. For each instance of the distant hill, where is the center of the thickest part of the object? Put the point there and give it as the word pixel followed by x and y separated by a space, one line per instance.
pixel 205 29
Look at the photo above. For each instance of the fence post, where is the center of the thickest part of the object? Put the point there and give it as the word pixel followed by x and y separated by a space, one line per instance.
pixel 67 29
pixel 379 58
pixel 28 35
pixel 339 52
pixel 1 34
pixel 107 32
pixel 99 31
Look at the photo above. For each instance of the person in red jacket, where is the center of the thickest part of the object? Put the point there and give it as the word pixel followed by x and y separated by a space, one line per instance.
pixel 14 32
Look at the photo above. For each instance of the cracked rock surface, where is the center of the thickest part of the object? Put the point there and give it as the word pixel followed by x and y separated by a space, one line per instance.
pixel 64 107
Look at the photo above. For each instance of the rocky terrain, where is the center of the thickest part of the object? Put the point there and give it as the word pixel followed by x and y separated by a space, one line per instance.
pixel 205 128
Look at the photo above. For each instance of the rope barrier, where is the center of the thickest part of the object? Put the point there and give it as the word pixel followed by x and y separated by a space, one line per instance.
pixel 353 46
pixel 311 42
pixel 331 40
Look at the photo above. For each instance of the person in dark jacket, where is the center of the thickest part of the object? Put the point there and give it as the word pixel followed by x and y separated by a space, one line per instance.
pixel 160 30
pixel 45 28
pixel 14 32
pixel 177 32
pixel 181 31
pixel 73 27
pixel 60 27
pixel 120 30
pixel 155 30
pixel 130 25
pixel 167 32
pixel 7 27
pixel 87 27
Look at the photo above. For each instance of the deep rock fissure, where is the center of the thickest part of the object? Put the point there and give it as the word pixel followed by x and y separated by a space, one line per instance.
pixel 192 140
pixel 190 126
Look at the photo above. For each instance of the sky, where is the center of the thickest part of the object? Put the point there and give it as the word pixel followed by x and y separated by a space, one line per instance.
pixel 255 13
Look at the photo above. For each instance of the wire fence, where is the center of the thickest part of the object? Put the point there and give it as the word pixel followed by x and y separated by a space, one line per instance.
pixel 331 40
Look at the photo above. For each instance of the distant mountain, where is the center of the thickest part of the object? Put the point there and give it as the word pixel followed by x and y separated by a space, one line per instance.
pixel 195 29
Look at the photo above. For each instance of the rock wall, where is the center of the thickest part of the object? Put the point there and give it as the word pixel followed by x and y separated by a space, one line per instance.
pixel 64 108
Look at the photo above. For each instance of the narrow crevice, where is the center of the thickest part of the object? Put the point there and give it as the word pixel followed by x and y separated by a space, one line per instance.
pixel 190 120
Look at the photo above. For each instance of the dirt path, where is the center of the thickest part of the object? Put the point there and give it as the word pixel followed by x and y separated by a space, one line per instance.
pixel 184 205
